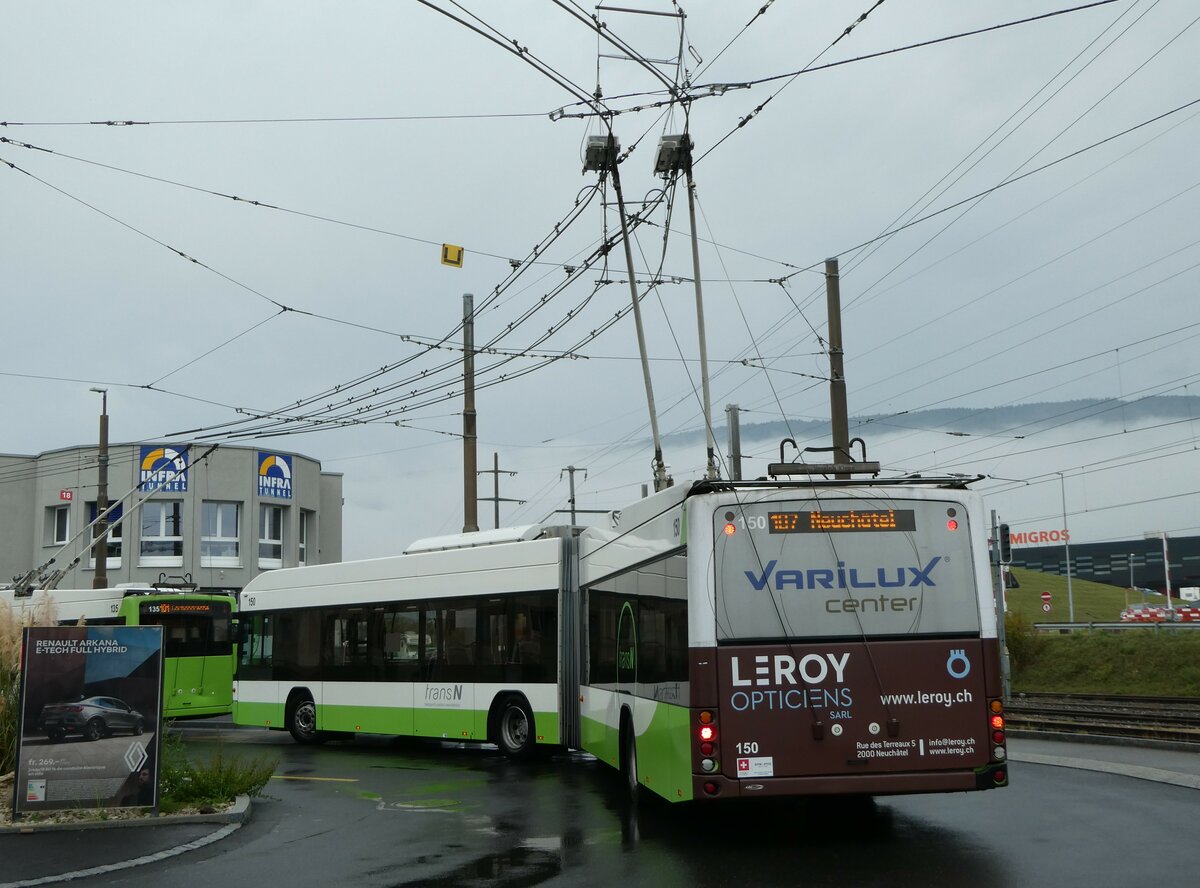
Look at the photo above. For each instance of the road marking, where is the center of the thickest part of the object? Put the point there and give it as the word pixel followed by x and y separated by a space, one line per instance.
pixel 127 864
pixel 322 779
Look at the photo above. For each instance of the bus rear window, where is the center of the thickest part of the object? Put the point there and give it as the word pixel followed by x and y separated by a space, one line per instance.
pixel 843 568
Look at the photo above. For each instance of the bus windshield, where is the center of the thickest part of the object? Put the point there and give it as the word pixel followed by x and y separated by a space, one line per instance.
pixel 845 567
pixel 190 628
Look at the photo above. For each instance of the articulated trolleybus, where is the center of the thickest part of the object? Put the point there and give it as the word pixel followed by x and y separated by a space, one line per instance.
pixel 198 635
pixel 717 640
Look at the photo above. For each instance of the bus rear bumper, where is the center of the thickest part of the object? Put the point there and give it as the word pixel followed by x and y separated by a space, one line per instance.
pixel 989 777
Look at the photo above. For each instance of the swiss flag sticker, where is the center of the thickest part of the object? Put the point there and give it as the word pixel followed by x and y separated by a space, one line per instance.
pixel 743 765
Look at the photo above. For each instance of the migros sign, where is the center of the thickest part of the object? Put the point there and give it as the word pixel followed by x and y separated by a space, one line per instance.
pixel 1039 537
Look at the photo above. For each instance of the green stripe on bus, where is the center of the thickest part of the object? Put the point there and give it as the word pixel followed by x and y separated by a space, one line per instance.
pixel 448 724
pixel 663 749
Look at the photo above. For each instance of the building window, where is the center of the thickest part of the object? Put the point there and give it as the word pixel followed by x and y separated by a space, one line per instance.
pixel 270 536
pixel 162 534
pixel 116 531
pixel 58 525
pixel 219 543
pixel 307 540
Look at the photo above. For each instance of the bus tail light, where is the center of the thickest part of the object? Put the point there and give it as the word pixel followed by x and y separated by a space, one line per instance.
pixel 706 736
pixel 996 724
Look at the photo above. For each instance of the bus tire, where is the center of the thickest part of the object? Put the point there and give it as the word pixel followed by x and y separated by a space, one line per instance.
pixel 515 733
pixel 302 722
pixel 629 765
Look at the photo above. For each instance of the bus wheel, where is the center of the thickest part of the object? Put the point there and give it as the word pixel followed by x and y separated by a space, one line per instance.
pixel 629 766
pixel 303 723
pixel 515 734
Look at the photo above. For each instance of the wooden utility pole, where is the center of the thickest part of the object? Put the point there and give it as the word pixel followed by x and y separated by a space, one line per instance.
pixel 837 374
pixel 100 544
pixel 470 482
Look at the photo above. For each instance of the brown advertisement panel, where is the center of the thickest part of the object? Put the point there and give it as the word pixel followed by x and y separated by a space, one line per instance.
pixel 790 710
pixel 91 703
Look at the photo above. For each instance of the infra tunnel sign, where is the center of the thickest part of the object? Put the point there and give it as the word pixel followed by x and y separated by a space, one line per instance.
pixel 90 716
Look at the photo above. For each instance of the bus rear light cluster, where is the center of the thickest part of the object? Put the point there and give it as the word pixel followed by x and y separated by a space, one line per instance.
pixel 996 723
pixel 706 734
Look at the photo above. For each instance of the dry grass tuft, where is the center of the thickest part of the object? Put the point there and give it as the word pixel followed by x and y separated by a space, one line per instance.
pixel 41 611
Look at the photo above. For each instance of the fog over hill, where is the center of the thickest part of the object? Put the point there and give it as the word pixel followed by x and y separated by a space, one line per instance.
pixel 1106 469
pixel 1014 419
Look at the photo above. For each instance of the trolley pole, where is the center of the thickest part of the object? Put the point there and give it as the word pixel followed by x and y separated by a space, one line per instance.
pixel 711 472
pixel 661 480
pixel 470 482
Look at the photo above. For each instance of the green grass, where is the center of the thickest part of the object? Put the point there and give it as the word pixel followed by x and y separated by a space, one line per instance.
pixel 1161 662
pixel 1094 602
pixel 1134 661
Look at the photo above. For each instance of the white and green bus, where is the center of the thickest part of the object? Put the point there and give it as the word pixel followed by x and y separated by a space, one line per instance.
pixel 460 638
pixel 714 640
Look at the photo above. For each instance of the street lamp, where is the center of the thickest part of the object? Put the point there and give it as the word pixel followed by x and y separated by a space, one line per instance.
pixel 1151 535
pixel 100 532
pixel 1067 545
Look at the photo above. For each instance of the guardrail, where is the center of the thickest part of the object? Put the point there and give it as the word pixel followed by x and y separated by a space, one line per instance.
pixel 1113 627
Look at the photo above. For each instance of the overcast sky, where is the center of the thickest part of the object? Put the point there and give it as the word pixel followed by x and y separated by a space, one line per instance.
pixel 1076 281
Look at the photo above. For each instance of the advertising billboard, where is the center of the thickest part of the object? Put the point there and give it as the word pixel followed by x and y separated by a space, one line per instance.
pixel 90 718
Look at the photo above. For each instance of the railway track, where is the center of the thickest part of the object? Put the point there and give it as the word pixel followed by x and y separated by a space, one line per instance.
pixel 1174 719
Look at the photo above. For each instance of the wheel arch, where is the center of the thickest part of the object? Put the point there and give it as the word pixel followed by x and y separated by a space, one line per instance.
pixel 499 701
pixel 295 697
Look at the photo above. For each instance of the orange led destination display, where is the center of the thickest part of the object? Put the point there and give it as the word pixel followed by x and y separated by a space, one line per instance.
pixel 871 521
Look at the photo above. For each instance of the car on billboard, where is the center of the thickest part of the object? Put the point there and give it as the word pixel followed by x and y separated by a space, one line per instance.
pixel 90 717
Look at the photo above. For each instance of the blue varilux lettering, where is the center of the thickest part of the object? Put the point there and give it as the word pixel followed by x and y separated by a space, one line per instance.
pixel 843 577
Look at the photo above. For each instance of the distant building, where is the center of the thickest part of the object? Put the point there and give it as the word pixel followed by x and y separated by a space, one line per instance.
pixel 1111 562
pixel 222 519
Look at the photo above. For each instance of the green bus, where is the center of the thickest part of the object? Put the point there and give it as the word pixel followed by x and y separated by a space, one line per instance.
pixel 198 634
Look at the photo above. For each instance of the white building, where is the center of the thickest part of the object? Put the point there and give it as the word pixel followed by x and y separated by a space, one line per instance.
pixel 221 516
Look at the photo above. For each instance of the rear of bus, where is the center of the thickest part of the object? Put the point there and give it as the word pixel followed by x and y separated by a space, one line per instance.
pixel 854 645
pixel 198 652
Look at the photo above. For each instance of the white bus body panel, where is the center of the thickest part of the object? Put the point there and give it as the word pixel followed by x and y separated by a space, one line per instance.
pixel 535 565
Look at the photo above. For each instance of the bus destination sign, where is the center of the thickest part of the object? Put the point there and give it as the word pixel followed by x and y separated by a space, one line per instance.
pixel 810 521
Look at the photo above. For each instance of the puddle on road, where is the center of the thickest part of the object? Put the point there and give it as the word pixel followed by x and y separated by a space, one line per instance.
pixel 517 868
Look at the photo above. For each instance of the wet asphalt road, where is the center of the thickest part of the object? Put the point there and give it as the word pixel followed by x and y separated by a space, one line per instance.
pixel 394 813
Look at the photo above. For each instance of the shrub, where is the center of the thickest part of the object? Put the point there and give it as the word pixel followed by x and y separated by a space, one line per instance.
pixel 1025 645
pixel 215 781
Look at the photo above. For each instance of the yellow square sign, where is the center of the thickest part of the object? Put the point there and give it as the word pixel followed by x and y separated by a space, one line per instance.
pixel 452 255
